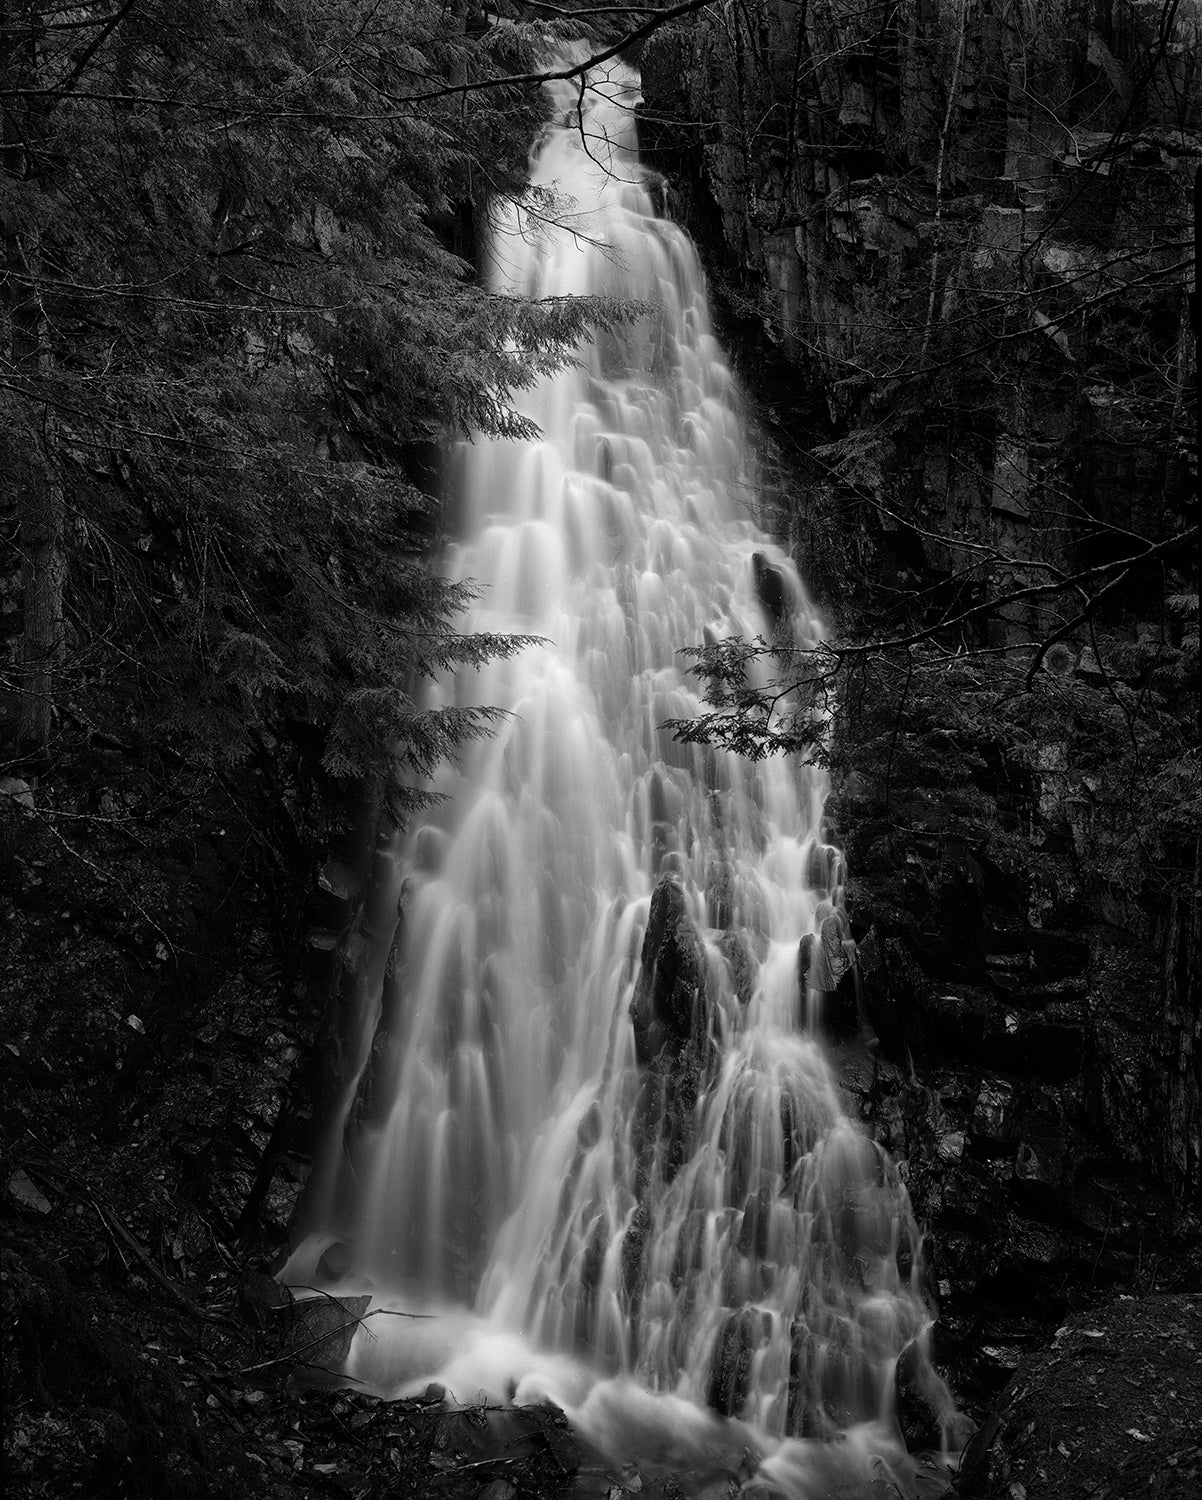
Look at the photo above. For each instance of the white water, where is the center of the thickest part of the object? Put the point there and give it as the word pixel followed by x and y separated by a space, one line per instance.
pixel 572 1224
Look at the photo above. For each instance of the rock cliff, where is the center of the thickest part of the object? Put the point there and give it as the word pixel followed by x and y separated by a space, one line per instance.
pixel 950 238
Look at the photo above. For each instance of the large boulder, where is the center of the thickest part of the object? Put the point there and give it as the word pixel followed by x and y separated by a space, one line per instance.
pixel 1110 1410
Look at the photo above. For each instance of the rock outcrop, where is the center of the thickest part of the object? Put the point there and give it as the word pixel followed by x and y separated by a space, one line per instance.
pixel 1037 1064
pixel 944 240
pixel 953 236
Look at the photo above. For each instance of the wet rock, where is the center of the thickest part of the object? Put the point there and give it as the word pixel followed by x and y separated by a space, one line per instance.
pixel 834 953
pixel 339 880
pixel 1039 1169
pixel 591 1269
pixel 588 1132
pixel 1000 1360
pixel 335 1261
pixel 682 1078
pixel 719 893
pixel 916 1415
pixel 868 952
pixel 669 999
pixel 950 1147
pixel 770 589
pixel 805 960
pixel 1034 1247
pixel 742 1335
pixel 954 1021
pixel 634 1250
pixel 826 964
pixel 854 1065
pixel 1058 954
pixel 665 1487
pixel 263 1300
pixel 1050 1044
pixel 690 1243
pixel 741 964
pixel 323 1328
pixel 989 1117
pixel 755 1224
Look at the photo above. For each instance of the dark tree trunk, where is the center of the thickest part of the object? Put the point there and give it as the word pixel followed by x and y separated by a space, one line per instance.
pixel 43 570
pixel 39 497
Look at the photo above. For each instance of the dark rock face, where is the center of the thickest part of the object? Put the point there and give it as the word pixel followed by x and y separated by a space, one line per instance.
pixel 1019 1075
pixel 863 189
pixel 866 195
pixel 745 1332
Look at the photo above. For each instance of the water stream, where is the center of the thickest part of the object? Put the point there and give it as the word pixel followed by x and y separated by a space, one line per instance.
pixel 609 1167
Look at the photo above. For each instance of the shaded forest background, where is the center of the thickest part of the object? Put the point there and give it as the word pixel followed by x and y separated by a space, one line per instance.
pixel 950 246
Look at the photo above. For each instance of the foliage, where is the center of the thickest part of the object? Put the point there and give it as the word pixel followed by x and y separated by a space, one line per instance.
pixel 236 303
pixel 755 714
pixel 1105 740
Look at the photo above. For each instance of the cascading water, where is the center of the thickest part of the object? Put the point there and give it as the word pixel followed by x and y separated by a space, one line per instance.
pixel 593 1132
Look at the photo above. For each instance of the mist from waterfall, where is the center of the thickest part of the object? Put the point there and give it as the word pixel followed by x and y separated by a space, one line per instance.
pixel 646 1215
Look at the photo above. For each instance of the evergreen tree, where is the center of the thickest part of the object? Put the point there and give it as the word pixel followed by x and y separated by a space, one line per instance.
pixel 236 305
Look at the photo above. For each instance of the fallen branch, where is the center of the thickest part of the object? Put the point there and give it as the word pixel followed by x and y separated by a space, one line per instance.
pixel 290 1358
pixel 386 1312
pixel 118 1229
pixel 291 1355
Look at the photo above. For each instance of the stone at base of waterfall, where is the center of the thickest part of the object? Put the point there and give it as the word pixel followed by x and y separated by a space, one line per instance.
pixel 745 1332
pixel 534 1444
pixel 322 1330
pixel 917 1419
pixel 335 1262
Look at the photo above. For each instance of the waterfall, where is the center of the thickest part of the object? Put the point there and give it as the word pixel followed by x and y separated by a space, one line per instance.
pixel 593 1139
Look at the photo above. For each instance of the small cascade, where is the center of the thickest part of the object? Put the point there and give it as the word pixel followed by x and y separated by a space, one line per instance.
pixel 591 1134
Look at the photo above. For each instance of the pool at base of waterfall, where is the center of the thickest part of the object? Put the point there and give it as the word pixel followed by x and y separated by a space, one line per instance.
pixel 496 1387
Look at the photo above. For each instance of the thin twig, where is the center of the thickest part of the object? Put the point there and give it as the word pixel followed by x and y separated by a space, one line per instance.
pixel 116 1226
pixel 105 875
pixel 290 1356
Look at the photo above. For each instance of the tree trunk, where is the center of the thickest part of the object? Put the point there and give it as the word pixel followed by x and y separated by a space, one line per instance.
pixel 39 498
pixel 43 570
